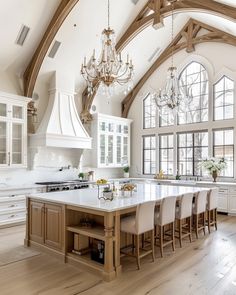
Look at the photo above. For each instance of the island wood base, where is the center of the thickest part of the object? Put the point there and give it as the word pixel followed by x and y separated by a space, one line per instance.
pixel 51 228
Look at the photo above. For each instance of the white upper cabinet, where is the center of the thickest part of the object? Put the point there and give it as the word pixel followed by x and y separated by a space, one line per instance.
pixel 111 141
pixel 13 130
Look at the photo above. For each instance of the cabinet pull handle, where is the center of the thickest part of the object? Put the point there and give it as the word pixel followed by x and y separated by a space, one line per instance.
pixel 9 159
pixel 13 205
pixel 13 215
pixel 12 196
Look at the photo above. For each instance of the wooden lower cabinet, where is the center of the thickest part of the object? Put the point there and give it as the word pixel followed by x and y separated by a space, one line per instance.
pixel 46 224
pixel 53 226
pixel 36 222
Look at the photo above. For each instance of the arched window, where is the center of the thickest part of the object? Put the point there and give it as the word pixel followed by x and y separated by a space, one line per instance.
pixel 194 79
pixel 149 112
pixel 224 99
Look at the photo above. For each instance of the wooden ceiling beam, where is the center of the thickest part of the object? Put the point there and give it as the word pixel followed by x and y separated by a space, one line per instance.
pixel 187 38
pixel 150 16
pixel 33 68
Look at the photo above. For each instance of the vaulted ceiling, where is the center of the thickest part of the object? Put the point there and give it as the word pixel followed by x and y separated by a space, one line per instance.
pixel 81 32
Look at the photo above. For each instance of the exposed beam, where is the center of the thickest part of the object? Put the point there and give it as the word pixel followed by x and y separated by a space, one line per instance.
pixel 33 68
pixel 150 16
pixel 187 38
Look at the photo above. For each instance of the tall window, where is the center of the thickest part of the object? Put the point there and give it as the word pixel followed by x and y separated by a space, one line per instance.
pixel 192 149
pixel 194 78
pixel 149 154
pixel 224 99
pixel 166 153
pixel 223 147
pixel 149 112
pixel 166 118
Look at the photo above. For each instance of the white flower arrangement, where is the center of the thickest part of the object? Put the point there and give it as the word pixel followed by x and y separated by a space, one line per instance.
pixel 213 165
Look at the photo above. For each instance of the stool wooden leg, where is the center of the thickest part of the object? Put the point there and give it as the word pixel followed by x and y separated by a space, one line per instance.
pixel 215 218
pixel 180 233
pixel 133 244
pixel 204 222
pixel 209 220
pixel 161 239
pixel 173 236
pixel 137 251
pixel 196 226
pixel 152 245
pixel 143 238
pixel 190 229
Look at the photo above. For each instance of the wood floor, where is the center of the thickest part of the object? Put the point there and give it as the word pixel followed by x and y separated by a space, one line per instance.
pixel 207 266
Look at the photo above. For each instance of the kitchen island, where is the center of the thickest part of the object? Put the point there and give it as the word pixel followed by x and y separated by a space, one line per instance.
pixel 54 223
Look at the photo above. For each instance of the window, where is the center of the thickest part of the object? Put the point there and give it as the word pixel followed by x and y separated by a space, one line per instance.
pixel 149 112
pixel 223 147
pixel 192 149
pixel 149 154
pixel 195 78
pixel 166 153
pixel 224 99
pixel 166 117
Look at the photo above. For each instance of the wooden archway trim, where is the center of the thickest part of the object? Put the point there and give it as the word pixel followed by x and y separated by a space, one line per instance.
pixel 150 13
pixel 33 68
pixel 187 38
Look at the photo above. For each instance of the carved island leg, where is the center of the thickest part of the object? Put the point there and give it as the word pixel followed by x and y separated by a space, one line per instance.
pixel 109 271
pixel 26 241
pixel 118 267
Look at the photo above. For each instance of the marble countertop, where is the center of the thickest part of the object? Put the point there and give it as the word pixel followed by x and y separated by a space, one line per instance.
pixel 88 198
pixel 8 187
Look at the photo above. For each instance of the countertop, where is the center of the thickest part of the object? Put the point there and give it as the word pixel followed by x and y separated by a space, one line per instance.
pixel 88 198
pixel 8 187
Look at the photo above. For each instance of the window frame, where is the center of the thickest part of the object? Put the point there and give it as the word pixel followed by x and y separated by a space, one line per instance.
pixel 150 117
pixel 193 147
pixel 232 145
pixel 143 153
pixel 168 148
pixel 223 106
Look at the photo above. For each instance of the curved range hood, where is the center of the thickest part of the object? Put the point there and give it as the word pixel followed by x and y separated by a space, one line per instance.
pixel 61 125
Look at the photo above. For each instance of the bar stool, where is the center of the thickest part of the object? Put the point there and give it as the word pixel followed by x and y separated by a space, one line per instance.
pixel 184 211
pixel 199 211
pixel 166 216
pixel 212 208
pixel 139 224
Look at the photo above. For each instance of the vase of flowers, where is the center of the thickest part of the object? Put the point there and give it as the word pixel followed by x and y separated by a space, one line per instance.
pixel 214 166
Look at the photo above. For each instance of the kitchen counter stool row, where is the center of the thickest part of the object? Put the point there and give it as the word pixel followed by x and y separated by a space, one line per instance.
pixel 189 212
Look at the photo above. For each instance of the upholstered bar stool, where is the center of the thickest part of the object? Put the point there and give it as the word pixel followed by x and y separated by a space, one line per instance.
pixel 139 224
pixel 166 216
pixel 212 208
pixel 184 212
pixel 199 212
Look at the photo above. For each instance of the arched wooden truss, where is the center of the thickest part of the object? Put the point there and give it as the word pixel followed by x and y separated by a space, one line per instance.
pixel 33 68
pixel 152 14
pixel 193 33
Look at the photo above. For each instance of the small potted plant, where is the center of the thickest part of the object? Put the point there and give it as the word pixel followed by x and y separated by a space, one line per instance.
pixel 81 175
pixel 126 172
pixel 214 166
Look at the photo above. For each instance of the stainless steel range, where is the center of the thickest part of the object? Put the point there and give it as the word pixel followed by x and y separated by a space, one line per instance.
pixel 53 186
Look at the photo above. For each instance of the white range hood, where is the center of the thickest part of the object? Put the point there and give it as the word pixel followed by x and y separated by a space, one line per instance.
pixel 61 125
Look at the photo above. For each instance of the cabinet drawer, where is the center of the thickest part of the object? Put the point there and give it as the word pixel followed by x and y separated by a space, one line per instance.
pixel 223 190
pixel 222 203
pixel 12 205
pixel 232 191
pixel 13 217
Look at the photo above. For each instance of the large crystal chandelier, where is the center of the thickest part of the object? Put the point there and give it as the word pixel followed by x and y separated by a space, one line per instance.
pixel 172 95
pixel 109 70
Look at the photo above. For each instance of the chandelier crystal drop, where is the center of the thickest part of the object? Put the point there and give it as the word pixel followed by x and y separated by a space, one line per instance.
pixel 109 70
pixel 172 96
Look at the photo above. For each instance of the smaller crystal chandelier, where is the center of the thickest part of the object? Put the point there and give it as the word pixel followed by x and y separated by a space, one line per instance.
pixel 172 95
pixel 109 69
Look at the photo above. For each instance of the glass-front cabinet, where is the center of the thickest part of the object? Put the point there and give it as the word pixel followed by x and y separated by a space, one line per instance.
pixel 13 130
pixel 111 140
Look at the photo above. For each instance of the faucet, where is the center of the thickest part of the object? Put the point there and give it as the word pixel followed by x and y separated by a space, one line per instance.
pixel 64 168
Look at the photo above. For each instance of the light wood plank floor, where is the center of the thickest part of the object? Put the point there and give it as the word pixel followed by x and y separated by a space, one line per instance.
pixel 207 266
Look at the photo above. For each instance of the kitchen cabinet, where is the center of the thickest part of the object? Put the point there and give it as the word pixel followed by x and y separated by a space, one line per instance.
pixel 111 141
pixel 232 201
pixel 13 130
pixel 46 224
pixel 13 205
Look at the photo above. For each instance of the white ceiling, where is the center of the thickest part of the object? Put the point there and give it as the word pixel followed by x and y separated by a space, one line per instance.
pixel 77 41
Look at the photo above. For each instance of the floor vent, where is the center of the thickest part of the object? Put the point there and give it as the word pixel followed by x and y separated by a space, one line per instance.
pixel 54 49
pixel 24 31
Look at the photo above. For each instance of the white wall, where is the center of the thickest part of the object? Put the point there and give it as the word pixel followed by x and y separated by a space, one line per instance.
pixel 218 58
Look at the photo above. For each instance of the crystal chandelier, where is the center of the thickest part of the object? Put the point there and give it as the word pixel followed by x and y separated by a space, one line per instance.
pixel 172 95
pixel 109 70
